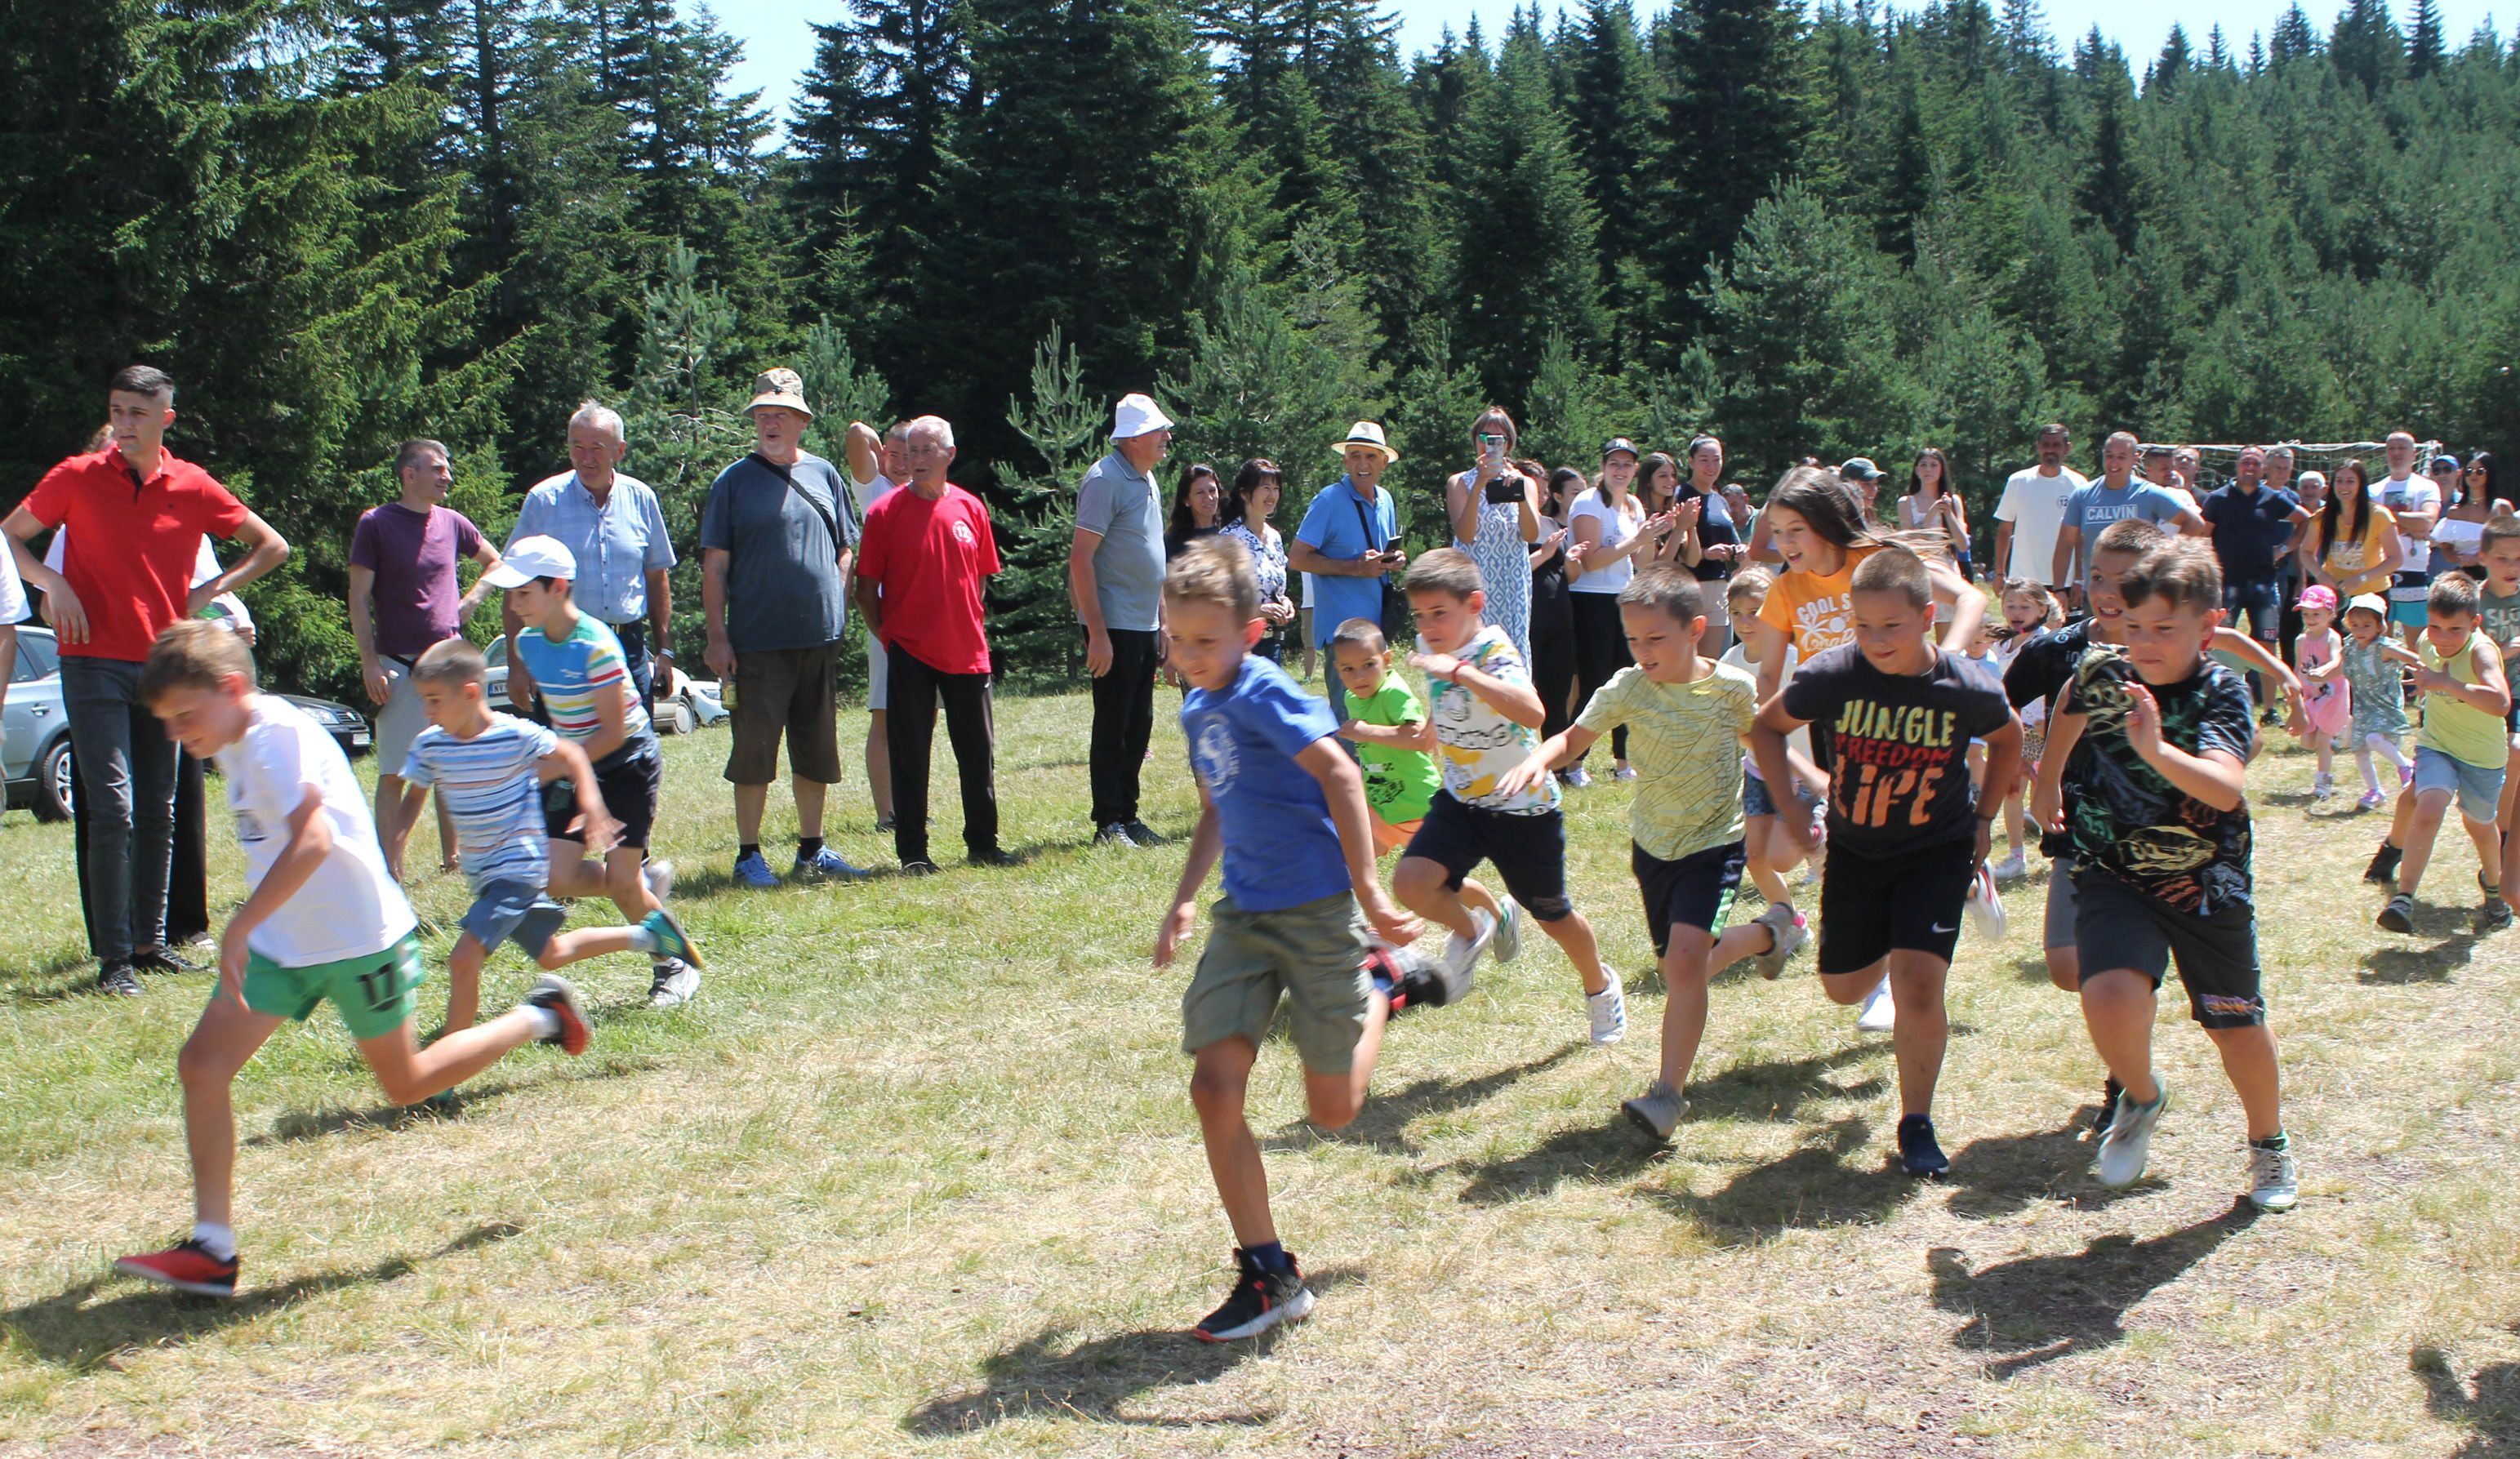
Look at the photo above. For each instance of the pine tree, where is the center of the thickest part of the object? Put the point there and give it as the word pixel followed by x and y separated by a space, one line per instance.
pixel 1398 253
pixel 2106 192
pixel 2172 62
pixel 2366 47
pixel 2427 47
pixel 1612 98
pixel 2024 29
pixel 2294 39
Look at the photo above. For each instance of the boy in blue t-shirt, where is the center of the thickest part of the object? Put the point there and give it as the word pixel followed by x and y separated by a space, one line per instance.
pixel 1284 805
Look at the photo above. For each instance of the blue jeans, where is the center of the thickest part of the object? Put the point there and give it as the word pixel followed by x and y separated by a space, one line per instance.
pixel 126 782
pixel 2262 598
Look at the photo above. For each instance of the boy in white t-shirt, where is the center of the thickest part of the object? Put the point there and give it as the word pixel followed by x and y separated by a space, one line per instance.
pixel 1484 720
pixel 322 921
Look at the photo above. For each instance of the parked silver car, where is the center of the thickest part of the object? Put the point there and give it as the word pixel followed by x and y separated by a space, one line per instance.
pixel 37 756
pixel 682 703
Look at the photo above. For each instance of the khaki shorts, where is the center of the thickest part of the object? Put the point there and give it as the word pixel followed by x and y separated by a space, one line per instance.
pixel 399 720
pixel 1312 954
pixel 789 691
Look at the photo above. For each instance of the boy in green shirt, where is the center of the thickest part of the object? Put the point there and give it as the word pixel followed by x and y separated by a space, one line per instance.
pixel 1395 746
pixel 1687 718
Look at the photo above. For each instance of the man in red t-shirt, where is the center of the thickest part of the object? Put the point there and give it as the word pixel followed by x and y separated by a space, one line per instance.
pixel 136 516
pixel 924 550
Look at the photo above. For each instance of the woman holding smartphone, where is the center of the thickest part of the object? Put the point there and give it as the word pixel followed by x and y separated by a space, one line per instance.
pixel 1496 517
pixel 1611 527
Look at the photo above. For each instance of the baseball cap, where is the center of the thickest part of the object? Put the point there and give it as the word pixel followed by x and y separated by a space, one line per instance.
pixel 2320 595
pixel 2446 460
pixel 1617 444
pixel 2371 602
pixel 1860 469
pixel 532 557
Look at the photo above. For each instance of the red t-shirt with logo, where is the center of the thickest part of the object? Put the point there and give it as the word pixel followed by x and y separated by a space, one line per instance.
pixel 928 558
pixel 132 543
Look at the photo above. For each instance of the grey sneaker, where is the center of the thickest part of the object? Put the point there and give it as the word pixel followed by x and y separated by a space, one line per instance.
pixel 659 874
pixel 2398 915
pixel 2127 1144
pixel 2495 914
pixel 1461 953
pixel 1114 834
pixel 1509 932
pixel 674 983
pixel 1789 931
pixel 2274 1181
pixel 1658 1110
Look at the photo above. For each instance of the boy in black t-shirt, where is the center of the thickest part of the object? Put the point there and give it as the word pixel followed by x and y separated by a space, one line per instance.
pixel 1904 833
pixel 2160 831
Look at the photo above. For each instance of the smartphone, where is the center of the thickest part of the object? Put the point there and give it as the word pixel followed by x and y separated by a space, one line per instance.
pixel 1492 450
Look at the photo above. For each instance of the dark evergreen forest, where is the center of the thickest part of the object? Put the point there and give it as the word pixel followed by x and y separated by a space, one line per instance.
pixel 342 222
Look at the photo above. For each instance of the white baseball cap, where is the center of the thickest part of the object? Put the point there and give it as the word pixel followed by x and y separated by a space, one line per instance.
pixel 1136 416
pixel 532 557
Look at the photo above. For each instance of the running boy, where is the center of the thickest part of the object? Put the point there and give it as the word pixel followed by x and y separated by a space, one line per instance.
pixel 1284 808
pixel 1905 833
pixel 488 768
pixel 2460 752
pixel 2497 604
pixel 585 683
pixel 1686 718
pixel 1395 748
pixel 1487 723
pixel 323 920
pixel 2161 857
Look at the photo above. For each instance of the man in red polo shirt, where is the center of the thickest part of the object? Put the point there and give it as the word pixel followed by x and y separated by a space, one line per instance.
pixel 136 516
pixel 924 553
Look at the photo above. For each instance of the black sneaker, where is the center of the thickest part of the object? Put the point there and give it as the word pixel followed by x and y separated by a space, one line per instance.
pixel 2398 915
pixel 1144 835
pixel 1114 834
pixel 160 960
pixel 1261 1300
pixel 1918 1155
pixel 995 856
pixel 2495 914
pixel 2111 1094
pixel 116 980
pixel 920 866
pixel 2384 865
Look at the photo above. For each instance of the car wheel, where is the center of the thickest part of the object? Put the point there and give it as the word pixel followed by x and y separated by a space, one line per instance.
pixel 679 717
pixel 56 783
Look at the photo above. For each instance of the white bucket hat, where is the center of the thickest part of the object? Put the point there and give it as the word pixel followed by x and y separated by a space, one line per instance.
pixel 1136 416
pixel 1366 435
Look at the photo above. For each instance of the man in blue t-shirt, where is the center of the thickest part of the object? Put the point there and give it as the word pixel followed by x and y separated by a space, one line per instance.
pixel 1283 806
pixel 2115 497
pixel 1349 542
pixel 2252 523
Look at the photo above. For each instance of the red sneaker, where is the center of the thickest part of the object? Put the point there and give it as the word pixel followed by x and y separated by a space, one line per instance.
pixel 557 995
pixel 186 1267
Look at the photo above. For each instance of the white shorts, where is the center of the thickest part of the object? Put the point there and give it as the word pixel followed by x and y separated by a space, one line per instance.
pixel 878 675
pixel 399 720
pixel 1308 590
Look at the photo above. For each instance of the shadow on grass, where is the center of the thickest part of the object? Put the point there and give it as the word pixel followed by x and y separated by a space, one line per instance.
pixel 2041 1308
pixel 2489 1407
pixel 289 1128
pixel 1815 1185
pixel 2009 1174
pixel 1386 1118
pixel 2400 966
pixel 1046 1376
pixel 1779 1089
pixel 72 1331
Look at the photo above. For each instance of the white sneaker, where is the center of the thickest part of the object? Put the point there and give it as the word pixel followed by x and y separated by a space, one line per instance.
pixel 659 874
pixel 2274 1181
pixel 1608 1011
pixel 2012 867
pixel 2323 787
pixel 1508 931
pixel 1879 1015
pixel 2127 1144
pixel 673 983
pixel 1577 778
pixel 1986 909
pixel 1624 773
pixel 1461 953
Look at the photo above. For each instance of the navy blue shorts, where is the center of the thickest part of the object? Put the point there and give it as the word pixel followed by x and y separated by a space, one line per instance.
pixel 1529 851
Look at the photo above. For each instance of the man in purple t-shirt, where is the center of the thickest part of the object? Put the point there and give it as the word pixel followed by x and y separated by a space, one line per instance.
pixel 403 599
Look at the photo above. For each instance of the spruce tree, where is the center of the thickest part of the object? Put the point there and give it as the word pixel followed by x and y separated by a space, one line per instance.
pixel 2427 48
pixel 1612 97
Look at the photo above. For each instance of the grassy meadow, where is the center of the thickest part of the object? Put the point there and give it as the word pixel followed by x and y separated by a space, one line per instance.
pixel 917 1175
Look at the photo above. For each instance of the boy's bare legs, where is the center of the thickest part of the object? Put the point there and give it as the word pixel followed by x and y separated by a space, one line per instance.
pixel 2488 841
pixel 1333 1101
pixel 410 1074
pixel 223 1043
pixel 2118 1006
pixel 574 874
pixel 1923 1028
pixel 1418 883
pixel 1574 937
pixel 2065 964
pixel 2249 1061
pixel 1758 844
pixel 566 947
pixel 2420 825
pixel 1218 1083
pixel 1480 899
pixel 464 982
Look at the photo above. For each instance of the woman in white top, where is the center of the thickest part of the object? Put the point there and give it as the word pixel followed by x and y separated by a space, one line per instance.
pixel 1934 501
pixel 1494 511
pixel 1610 526
pixel 1246 510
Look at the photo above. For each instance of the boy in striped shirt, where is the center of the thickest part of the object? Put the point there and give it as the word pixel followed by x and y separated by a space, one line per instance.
pixel 583 680
pixel 489 769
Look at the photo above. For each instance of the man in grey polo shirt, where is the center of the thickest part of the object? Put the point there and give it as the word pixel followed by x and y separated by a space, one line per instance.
pixel 616 531
pixel 1115 576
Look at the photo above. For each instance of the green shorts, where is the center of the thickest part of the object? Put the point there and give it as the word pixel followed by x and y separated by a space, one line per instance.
pixel 1312 954
pixel 373 994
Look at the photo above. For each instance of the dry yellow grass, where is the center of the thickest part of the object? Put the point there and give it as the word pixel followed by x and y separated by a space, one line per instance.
pixel 917 1175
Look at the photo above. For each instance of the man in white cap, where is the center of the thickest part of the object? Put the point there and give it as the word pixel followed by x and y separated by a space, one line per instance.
pixel 1115 576
pixel 1350 542
pixel 777 536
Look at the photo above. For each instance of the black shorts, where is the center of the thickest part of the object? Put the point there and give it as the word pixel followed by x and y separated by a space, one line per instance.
pixel 629 784
pixel 1870 907
pixel 2117 926
pixel 1529 851
pixel 1695 891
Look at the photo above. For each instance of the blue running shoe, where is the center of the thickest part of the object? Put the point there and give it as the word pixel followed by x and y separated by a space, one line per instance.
pixel 754 871
pixel 827 864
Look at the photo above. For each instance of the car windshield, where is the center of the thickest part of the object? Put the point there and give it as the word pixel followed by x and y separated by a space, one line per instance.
pixel 496 654
pixel 36 658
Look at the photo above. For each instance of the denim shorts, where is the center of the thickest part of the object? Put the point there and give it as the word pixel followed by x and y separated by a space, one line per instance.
pixel 514 911
pixel 1758 800
pixel 2478 788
